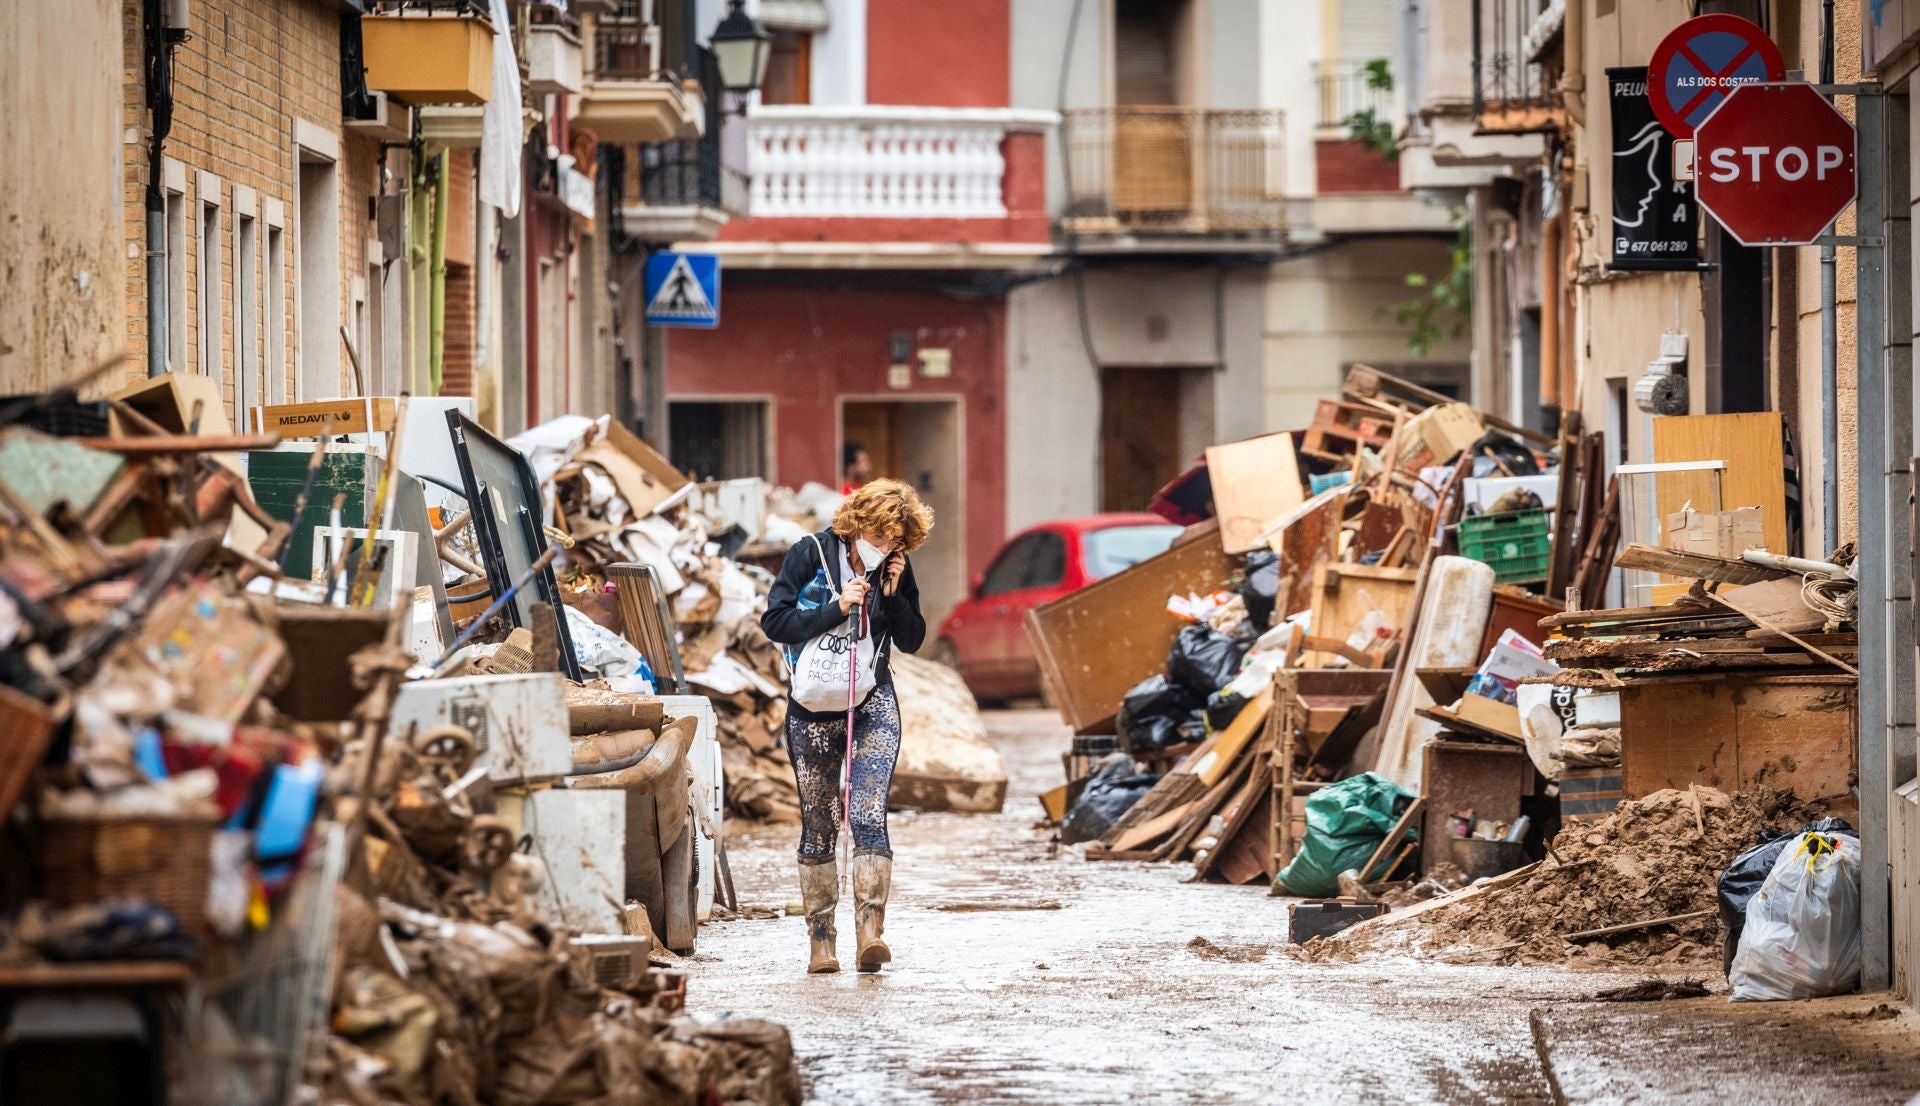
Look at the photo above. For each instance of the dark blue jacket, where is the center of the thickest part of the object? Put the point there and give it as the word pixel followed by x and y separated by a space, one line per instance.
pixel 894 619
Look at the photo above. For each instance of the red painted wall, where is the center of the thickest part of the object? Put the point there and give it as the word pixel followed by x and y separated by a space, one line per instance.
pixel 807 347
pixel 939 53
pixel 1350 165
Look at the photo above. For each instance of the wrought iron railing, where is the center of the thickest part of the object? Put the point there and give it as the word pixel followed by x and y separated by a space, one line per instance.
pixel 1513 92
pixel 1348 88
pixel 1176 170
pixel 690 173
pixel 645 42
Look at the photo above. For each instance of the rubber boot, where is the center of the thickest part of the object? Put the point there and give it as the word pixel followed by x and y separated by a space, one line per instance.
pixel 872 880
pixel 820 893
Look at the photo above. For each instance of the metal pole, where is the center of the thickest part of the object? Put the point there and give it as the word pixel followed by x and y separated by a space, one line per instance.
pixel 1829 351
pixel 1882 465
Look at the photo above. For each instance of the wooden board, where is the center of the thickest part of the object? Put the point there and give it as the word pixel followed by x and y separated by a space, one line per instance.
pixel 1490 779
pixel 1344 594
pixel 1233 739
pixel 1096 643
pixel 307 420
pixel 1254 482
pixel 1697 566
pixel 1751 444
pixel 1737 733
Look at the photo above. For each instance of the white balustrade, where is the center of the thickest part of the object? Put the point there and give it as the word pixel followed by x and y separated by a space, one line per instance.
pixel 881 162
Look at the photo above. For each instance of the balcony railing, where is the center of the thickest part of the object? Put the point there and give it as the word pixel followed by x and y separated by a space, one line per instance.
pixel 879 162
pixel 1346 91
pixel 1176 170
pixel 1512 90
pixel 690 173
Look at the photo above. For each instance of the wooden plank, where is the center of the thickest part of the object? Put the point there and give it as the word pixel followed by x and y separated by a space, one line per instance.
pixel 1203 811
pixel 1150 830
pixel 305 420
pixel 180 443
pixel 1573 462
pixel 1628 927
pixel 1096 643
pixel 1240 858
pixel 1393 838
pixel 1698 566
pixel 1234 738
pixel 1366 382
pixel 1255 481
pixel 117 974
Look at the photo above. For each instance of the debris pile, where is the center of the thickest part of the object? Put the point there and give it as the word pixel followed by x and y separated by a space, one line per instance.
pixel 1646 873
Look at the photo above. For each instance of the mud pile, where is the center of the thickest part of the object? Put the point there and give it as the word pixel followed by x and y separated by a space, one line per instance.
pixel 1654 857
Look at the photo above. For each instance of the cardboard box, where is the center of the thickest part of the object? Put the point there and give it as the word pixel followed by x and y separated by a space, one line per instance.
pixel 1491 714
pixel 1443 430
pixel 645 479
pixel 1723 534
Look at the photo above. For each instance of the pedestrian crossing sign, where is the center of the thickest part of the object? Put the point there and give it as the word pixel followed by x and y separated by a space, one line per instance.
pixel 683 289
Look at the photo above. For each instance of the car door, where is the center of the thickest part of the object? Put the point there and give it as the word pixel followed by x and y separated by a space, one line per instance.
pixel 979 635
pixel 1046 573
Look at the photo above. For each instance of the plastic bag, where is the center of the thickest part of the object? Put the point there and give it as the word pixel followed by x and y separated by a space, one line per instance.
pixel 1802 936
pixel 1262 587
pixel 1744 877
pixel 1495 454
pixel 1346 821
pixel 1151 713
pixel 1203 661
pixel 1112 789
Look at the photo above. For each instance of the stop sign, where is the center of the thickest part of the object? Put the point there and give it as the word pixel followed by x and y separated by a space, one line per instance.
pixel 1774 164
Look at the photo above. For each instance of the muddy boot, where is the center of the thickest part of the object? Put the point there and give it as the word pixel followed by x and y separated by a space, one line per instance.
pixel 872 880
pixel 820 893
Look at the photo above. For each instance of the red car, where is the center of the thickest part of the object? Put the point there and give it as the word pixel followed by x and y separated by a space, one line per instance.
pixel 985 637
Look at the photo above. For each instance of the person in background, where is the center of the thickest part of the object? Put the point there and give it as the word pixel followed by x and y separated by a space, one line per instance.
pixel 856 467
pixel 859 561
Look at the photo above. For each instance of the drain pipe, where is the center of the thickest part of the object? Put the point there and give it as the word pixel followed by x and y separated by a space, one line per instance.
pixel 1829 349
pixel 437 291
pixel 160 39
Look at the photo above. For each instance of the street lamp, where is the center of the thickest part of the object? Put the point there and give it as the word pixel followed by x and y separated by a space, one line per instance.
pixel 741 49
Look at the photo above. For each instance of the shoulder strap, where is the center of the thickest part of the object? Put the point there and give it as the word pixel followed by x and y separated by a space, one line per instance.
pixel 819 549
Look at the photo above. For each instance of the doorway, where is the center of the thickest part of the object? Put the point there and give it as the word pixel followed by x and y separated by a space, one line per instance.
pixel 1143 421
pixel 317 252
pixel 919 442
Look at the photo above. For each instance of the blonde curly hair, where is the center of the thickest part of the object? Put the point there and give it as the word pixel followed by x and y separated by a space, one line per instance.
pixel 889 508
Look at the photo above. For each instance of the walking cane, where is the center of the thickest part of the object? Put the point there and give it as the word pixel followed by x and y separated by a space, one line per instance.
pixel 856 629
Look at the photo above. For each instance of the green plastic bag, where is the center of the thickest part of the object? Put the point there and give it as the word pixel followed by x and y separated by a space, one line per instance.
pixel 1346 821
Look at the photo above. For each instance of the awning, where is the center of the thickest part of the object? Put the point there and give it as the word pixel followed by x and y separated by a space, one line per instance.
pixel 794 15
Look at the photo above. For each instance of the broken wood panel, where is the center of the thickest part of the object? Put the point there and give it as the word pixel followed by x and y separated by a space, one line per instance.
pixel 1306 543
pixel 1736 733
pixel 1254 482
pixel 1519 613
pixel 1096 643
pixel 1697 566
pixel 1241 857
pixel 1753 446
pixel 1343 595
pixel 1456 775
pixel 1230 741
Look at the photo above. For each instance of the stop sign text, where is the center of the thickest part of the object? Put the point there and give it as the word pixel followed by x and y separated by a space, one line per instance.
pixel 1787 163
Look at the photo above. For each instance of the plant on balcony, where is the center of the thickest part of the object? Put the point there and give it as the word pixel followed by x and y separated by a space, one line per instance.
pixel 1441 314
pixel 1366 124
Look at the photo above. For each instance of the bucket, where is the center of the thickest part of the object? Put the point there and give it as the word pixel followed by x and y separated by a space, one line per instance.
pixel 468 599
pixel 1480 859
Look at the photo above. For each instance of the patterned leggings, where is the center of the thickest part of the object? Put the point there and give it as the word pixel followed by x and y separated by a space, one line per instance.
pixel 817 749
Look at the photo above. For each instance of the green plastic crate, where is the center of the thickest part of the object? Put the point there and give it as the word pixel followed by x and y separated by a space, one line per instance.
pixel 1515 545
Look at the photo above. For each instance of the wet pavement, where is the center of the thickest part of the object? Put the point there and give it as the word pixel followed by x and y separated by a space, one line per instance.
pixel 1023 974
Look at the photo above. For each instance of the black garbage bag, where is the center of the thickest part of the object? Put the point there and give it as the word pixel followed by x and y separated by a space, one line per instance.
pixel 1261 587
pixel 1224 706
pixel 1204 660
pixel 1743 878
pixel 1495 451
pixel 1151 714
pixel 1109 793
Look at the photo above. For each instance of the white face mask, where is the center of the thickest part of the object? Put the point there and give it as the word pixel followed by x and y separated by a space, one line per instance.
pixel 870 554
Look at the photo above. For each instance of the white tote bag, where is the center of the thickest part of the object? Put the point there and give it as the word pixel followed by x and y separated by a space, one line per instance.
pixel 821 671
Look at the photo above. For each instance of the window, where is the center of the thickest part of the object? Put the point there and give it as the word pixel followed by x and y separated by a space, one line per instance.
pixel 1108 551
pixel 276 315
pixel 1049 564
pixel 718 441
pixel 246 317
pixel 176 351
pixel 1011 570
pixel 789 69
pixel 212 322
pixel 317 251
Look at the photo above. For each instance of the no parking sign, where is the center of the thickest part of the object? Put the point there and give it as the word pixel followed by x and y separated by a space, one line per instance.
pixel 1701 62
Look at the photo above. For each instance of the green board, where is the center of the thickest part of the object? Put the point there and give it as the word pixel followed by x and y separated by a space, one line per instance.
pixel 276 477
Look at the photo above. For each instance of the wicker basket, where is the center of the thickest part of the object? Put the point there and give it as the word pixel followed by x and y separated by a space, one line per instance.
pixel 165 859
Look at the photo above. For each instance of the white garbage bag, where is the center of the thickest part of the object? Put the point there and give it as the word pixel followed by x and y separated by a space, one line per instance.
pixel 1802 937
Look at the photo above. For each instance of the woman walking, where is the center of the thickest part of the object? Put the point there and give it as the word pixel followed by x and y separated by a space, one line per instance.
pixel 844 599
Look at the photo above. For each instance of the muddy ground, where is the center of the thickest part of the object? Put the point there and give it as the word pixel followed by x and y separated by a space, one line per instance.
pixel 1023 974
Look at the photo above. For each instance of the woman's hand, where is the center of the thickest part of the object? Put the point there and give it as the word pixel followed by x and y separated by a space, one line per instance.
pixel 896 565
pixel 855 592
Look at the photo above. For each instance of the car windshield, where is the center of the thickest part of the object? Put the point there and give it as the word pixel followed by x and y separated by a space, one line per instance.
pixel 1118 547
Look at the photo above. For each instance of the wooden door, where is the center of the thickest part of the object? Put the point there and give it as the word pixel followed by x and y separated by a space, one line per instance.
pixel 1139 435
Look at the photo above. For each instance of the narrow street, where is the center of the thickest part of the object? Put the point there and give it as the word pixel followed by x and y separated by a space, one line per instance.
pixel 1026 975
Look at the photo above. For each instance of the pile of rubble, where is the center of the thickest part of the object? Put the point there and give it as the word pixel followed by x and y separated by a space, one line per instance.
pixel 1634 888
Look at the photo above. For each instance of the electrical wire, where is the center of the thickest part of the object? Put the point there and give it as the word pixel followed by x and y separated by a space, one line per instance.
pixel 1835 597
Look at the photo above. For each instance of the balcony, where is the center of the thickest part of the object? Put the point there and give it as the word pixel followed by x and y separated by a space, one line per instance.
pixel 1176 171
pixel 882 162
pixel 1513 90
pixel 683 192
pixel 1347 89
pixel 630 96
